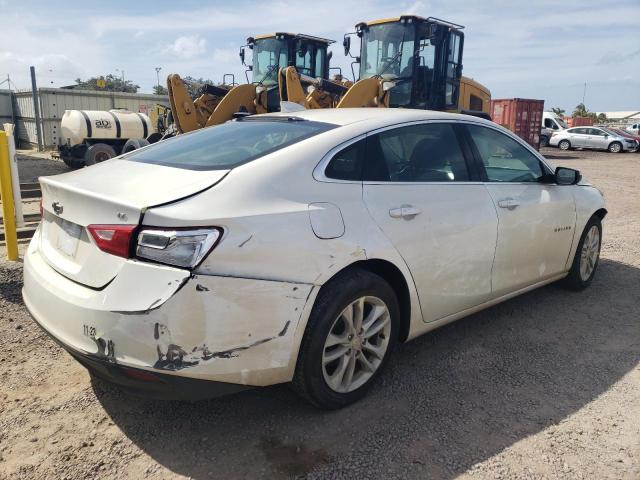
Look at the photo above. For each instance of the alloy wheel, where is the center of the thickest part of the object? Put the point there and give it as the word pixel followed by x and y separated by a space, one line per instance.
pixel 356 344
pixel 590 253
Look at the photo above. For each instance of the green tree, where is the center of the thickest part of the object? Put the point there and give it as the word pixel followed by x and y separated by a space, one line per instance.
pixel 602 118
pixel 558 111
pixel 194 85
pixel 160 90
pixel 580 111
pixel 112 84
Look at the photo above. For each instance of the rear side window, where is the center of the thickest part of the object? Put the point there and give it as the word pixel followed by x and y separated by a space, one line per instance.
pixel 347 163
pixel 228 145
pixel 417 153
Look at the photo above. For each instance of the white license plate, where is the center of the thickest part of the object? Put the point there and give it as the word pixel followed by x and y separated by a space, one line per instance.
pixel 68 237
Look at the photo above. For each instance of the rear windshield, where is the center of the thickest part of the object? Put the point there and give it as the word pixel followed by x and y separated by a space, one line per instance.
pixel 228 145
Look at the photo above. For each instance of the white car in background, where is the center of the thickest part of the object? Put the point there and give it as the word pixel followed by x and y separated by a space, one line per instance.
pixel 595 138
pixel 302 249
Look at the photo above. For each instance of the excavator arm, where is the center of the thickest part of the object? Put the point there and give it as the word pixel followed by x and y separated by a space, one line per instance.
pixel 368 92
pixel 189 114
pixel 321 93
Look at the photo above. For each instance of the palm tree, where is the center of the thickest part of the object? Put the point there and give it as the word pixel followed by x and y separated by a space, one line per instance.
pixel 580 111
pixel 558 111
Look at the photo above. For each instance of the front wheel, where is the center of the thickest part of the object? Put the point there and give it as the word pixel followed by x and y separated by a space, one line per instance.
pixel 564 145
pixel 615 147
pixel 351 333
pixel 587 257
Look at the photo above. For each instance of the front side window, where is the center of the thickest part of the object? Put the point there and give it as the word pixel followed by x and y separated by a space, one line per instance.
pixel 578 131
pixel 504 159
pixel 416 153
pixel 596 131
pixel 225 146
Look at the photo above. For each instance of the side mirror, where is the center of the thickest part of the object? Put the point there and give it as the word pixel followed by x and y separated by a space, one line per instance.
pixel 242 55
pixel 346 43
pixel 567 176
pixel 329 56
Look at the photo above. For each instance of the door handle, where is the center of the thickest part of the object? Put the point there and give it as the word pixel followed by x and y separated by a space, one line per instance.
pixel 405 211
pixel 509 203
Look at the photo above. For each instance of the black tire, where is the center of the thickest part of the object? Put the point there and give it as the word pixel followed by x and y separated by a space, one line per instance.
pixel 575 280
pixel 97 153
pixel 544 141
pixel 564 145
pixel 154 137
pixel 336 295
pixel 73 162
pixel 134 144
pixel 615 147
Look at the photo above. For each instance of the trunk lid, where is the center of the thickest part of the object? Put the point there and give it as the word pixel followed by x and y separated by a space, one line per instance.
pixel 113 192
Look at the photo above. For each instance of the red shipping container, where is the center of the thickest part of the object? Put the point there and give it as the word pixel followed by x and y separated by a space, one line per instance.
pixel 581 122
pixel 520 115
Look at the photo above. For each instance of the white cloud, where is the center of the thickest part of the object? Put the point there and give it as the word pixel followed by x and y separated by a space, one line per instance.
pixel 187 47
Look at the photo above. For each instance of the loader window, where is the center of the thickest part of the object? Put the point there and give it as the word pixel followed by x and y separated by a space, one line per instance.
pixel 228 145
pixel 388 50
pixel 269 55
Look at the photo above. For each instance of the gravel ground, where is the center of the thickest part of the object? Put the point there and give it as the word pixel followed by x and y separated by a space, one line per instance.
pixel 546 385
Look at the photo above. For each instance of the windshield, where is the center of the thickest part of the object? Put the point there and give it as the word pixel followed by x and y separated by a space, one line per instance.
pixel 269 55
pixel 388 49
pixel 561 122
pixel 225 146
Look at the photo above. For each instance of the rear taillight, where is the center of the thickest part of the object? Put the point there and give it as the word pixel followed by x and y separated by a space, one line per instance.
pixel 113 239
pixel 178 247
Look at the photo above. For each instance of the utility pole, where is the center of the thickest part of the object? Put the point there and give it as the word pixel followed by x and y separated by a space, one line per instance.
pixel 36 107
pixel 158 76
pixel 584 92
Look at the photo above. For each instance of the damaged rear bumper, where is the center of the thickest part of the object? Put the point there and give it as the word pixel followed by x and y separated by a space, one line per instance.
pixel 232 330
pixel 150 384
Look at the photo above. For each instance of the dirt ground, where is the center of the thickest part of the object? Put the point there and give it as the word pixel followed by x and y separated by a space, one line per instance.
pixel 546 385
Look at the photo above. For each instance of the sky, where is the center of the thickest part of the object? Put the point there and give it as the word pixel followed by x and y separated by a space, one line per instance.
pixel 544 49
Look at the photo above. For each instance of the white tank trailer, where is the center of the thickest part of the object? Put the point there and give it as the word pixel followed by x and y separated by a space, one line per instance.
pixel 92 136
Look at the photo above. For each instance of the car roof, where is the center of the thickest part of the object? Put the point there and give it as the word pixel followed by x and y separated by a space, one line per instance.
pixel 372 116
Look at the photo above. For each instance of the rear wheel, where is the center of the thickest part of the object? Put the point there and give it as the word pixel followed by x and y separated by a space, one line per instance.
pixel 615 147
pixel 73 162
pixel 154 137
pixel 351 333
pixel 564 145
pixel 97 153
pixel 587 257
pixel 134 144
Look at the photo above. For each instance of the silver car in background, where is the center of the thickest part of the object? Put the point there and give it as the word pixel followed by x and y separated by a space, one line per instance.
pixel 598 138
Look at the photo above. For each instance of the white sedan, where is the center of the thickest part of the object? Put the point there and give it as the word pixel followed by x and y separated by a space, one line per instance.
pixel 298 248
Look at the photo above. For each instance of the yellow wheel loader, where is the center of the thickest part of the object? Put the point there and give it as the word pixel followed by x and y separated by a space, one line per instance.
pixel 285 67
pixel 413 62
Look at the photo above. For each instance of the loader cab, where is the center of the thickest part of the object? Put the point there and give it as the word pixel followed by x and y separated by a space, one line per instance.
pixel 419 60
pixel 280 50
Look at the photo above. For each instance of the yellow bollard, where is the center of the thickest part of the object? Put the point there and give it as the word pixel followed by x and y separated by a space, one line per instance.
pixel 6 194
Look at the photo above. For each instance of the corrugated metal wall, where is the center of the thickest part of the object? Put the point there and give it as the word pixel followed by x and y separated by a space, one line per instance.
pixel 6 108
pixel 54 101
